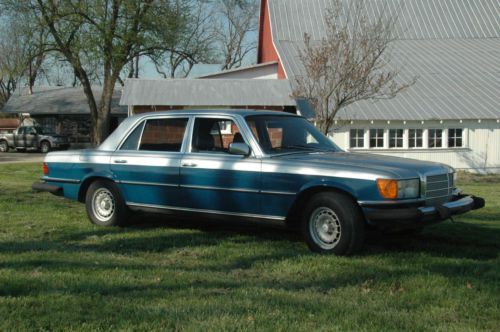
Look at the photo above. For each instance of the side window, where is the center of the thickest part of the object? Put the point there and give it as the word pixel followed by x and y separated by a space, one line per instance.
pixel 21 131
pixel 214 135
pixel 163 135
pixel 415 138
pixel 396 138
pixel 357 138
pixel 376 138
pixel 455 138
pixel 132 141
pixel 435 138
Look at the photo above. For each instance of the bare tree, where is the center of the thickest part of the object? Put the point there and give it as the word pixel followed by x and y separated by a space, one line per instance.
pixel 110 33
pixel 350 63
pixel 22 53
pixel 190 43
pixel 238 22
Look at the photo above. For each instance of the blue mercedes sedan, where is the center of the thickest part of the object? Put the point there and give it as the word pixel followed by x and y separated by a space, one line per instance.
pixel 260 165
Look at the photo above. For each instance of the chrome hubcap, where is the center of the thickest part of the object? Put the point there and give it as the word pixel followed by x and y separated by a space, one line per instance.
pixel 324 227
pixel 103 204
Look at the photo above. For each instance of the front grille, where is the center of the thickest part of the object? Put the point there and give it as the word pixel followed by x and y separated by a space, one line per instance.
pixel 439 189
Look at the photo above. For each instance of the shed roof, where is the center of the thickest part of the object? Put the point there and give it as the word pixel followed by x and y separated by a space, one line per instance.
pixel 207 92
pixel 452 46
pixel 57 100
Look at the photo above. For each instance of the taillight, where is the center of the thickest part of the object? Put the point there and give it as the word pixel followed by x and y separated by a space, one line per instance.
pixel 45 169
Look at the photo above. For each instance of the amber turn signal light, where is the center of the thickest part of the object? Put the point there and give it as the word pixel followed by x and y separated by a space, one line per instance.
pixel 45 169
pixel 388 188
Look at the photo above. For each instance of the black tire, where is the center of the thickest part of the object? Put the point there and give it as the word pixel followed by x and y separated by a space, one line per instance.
pixel 45 147
pixel 4 146
pixel 333 224
pixel 105 205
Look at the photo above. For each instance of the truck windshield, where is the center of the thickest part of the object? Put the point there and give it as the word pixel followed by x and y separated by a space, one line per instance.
pixel 288 134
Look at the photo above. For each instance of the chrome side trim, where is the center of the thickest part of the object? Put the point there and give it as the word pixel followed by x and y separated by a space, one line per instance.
pixel 243 190
pixel 268 192
pixel 49 179
pixel 235 214
pixel 138 183
pixel 220 189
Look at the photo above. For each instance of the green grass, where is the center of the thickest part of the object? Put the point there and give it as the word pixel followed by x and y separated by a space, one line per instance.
pixel 59 272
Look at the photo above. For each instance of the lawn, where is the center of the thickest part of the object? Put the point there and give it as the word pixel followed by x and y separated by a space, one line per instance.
pixel 59 272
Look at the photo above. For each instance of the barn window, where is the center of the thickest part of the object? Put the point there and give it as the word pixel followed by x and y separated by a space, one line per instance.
pixel 415 138
pixel 376 138
pixel 455 138
pixel 357 138
pixel 435 138
pixel 396 138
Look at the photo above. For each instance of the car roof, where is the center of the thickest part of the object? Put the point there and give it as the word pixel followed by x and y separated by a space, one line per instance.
pixel 191 112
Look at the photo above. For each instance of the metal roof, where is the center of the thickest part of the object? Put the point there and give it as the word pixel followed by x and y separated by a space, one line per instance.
pixel 240 69
pixel 452 46
pixel 417 19
pixel 57 100
pixel 207 92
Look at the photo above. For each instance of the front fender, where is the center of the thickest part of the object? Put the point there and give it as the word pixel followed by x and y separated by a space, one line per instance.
pixel 359 189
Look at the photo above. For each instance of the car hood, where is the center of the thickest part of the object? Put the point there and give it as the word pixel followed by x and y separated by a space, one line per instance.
pixel 380 165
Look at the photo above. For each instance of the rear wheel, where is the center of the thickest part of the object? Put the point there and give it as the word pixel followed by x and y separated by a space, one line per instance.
pixel 333 224
pixel 45 147
pixel 104 204
pixel 4 146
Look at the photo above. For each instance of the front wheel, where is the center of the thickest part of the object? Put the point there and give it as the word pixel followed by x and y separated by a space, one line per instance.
pixel 4 146
pixel 104 204
pixel 45 147
pixel 333 224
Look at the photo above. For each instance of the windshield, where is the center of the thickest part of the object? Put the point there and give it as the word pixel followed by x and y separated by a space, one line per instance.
pixel 288 134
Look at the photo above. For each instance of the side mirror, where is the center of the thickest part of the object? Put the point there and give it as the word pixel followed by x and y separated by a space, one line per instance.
pixel 240 149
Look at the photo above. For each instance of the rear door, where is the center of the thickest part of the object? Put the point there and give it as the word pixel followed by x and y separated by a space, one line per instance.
pixel 146 166
pixel 214 181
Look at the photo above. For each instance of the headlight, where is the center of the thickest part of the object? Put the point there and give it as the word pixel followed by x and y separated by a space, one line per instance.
pixel 393 189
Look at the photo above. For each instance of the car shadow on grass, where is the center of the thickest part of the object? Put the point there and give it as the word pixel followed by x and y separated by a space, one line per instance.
pixel 147 233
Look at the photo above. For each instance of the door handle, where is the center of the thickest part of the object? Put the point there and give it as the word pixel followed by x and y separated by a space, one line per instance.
pixel 189 165
pixel 120 161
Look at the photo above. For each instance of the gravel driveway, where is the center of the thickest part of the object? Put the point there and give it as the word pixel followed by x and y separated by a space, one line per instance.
pixel 16 157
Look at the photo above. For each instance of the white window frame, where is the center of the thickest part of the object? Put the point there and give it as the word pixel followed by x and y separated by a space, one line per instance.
pixel 429 138
pixel 397 138
pixel 357 138
pixel 414 138
pixel 377 137
pixel 462 137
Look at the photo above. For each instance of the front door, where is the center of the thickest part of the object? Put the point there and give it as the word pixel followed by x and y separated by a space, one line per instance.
pixel 212 180
pixel 146 167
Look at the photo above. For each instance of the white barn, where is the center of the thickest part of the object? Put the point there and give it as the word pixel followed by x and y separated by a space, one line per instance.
pixel 452 113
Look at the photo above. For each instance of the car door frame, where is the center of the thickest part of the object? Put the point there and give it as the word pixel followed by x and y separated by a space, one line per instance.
pixel 139 191
pixel 221 183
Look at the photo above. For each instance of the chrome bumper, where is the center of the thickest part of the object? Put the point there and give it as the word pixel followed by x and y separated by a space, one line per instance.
pixel 397 217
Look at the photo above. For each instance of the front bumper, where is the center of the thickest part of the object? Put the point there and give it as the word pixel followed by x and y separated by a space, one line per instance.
pixel 395 217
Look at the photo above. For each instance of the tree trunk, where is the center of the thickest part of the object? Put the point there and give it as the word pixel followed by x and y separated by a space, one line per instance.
pixel 103 119
pixel 87 89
